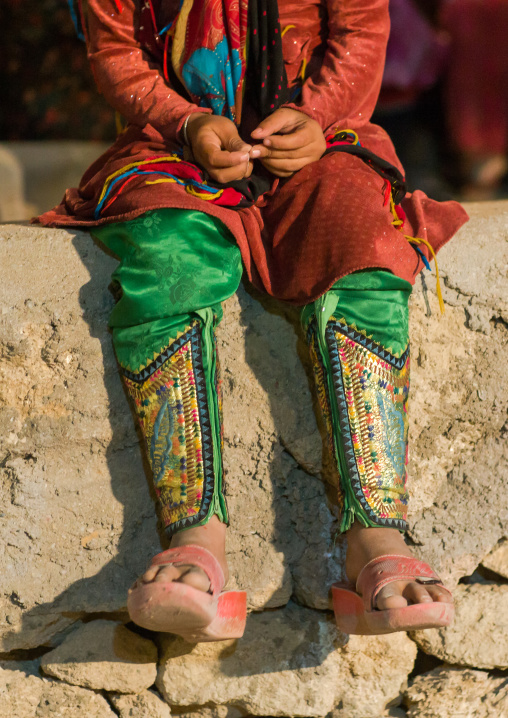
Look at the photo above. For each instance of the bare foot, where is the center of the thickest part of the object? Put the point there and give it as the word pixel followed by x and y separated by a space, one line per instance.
pixel 211 536
pixel 365 544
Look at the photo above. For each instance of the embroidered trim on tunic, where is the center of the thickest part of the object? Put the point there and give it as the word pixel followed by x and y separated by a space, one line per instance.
pixel 371 387
pixel 171 404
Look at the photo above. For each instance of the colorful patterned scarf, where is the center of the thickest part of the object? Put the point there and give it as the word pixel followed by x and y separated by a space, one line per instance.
pixel 214 48
pixel 209 46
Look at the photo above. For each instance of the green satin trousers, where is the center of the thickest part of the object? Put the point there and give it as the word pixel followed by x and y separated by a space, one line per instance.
pixel 176 267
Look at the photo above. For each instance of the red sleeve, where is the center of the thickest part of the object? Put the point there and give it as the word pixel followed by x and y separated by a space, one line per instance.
pixel 127 76
pixel 344 90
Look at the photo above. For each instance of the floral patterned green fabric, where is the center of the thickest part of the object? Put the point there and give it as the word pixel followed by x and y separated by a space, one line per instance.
pixel 173 263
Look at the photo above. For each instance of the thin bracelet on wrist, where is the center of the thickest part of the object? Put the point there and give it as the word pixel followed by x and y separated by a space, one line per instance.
pixel 184 131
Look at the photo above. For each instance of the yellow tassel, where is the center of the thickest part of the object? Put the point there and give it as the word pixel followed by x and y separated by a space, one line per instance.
pixel 397 222
pixel 355 135
pixel 120 124
pixel 420 240
pixel 169 158
pixel 304 68
pixel 207 196
pixel 160 181
pixel 203 195
pixel 288 27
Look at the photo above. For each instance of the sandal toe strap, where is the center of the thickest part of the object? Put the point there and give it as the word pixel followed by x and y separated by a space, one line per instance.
pixel 194 556
pixel 386 569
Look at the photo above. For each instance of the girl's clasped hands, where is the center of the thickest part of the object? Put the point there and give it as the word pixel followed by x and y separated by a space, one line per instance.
pixel 284 142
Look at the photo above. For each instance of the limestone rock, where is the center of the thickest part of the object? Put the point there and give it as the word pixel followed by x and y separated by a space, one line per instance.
pixel 28 696
pixel 393 712
pixel 451 692
pixel 144 705
pixel 497 560
pixel 290 662
pixel 104 655
pixel 459 459
pixel 210 712
pixel 76 517
pixel 478 637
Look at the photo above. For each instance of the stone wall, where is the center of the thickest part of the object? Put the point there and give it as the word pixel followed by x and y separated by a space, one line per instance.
pixel 77 522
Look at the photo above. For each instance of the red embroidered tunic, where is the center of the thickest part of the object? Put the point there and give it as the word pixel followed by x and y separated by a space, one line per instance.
pixel 329 219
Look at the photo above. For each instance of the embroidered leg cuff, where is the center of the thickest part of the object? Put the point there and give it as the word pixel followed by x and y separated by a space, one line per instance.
pixel 363 392
pixel 172 403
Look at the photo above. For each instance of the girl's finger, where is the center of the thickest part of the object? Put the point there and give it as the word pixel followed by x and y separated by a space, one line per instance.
pixel 270 153
pixel 256 152
pixel 230 174
pixel 250 167
pixel 284 165
pixel 271 124
pixel 292 141
pixel 218 159
pixel 280 173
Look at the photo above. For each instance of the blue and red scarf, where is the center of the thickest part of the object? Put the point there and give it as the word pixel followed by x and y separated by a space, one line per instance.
pixel 208 47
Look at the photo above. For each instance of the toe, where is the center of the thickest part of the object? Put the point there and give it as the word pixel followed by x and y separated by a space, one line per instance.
pixel 166 574
pixel 149 574
pixel 416 593
pixel 438 593
pixel 190 575
pixel 400 593
pixel 391 596
pixel 196 578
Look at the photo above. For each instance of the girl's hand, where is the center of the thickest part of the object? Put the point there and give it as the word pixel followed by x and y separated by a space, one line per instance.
pixel 218 148
pixel 290 140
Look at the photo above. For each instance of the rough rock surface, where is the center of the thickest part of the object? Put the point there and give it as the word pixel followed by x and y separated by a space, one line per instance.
pixel 76 517
pixel 459 467
pixel 144 705
pixel 208 712
pixel 28 696
pixel 290 662
pixel 104 655
pixel 455 693
pixel 497 560
pixel 478 636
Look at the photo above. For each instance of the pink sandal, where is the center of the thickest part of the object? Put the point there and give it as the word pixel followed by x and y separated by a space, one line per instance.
pixel 175 607
pixel 355 610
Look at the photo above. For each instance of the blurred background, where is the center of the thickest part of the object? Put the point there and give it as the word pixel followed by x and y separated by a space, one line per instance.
pixel 444 101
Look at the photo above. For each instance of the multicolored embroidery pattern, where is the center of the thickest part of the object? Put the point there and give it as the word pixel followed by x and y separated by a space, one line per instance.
pixel 170 400
pixel 218 389
pixel 323 398
pixel 372 387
